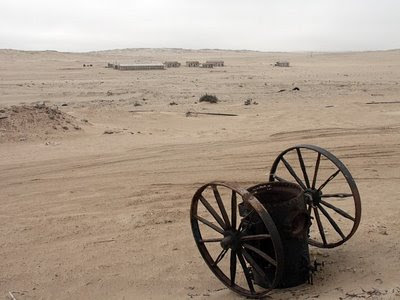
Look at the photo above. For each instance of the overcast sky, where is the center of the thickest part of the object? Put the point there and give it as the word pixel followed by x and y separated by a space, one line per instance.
pixel 268 25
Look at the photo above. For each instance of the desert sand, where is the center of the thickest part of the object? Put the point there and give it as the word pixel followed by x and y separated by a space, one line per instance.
pixel 98 168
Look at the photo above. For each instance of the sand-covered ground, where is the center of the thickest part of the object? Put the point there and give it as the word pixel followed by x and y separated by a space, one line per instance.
pixel 96 183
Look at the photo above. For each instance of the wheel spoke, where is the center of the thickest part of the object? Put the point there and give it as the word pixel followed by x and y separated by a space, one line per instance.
pixel 303 167
pixel 212 212
pixel 254 264
pixel 212 240
pixel 293 173
pixel 221 205
pixel 209 224
pixel 338 210
pixel 333 223
pixel 316 170
pixel 320 227
pixel 220 257
pixel 233 267
pixel 233 210
pixel 337 195
pixel 255 237
pixel 260 253
pixel 246 272
pixel 328 180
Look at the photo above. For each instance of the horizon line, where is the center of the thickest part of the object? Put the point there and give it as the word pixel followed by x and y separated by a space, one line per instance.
pixel 199 49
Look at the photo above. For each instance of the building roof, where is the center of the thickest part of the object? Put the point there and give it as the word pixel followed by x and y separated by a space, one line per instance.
pixel 141 65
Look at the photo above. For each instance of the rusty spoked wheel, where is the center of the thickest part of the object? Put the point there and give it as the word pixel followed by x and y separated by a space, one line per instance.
pixel 331 194
pixel 228 221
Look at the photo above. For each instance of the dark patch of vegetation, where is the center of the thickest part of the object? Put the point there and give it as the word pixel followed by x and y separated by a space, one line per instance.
pixel 250 101
pixel 208 98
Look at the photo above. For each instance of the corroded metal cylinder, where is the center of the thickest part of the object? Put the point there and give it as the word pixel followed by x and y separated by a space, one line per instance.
pixel 285 203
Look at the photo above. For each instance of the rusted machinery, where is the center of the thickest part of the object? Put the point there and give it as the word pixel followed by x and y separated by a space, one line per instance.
pixel 256 239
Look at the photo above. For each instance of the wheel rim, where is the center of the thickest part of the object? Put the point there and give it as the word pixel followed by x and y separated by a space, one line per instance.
pixel 323 206
pixel 232 236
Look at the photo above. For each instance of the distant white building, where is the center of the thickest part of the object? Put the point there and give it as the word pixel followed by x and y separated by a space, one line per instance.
pixel 216 63
pixel 192 63
pixel 207 65
pixel 282 64
pixel 172 64
pixel 152 66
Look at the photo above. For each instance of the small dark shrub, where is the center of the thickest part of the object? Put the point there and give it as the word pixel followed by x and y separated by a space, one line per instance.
pixel 248 101
pixel 208 98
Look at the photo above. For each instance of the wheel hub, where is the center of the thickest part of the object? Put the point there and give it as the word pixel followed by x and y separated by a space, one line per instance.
pixel 231 240
pixel 314 195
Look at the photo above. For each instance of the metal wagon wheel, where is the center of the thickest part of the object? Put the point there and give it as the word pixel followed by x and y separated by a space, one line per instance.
pixel 228 232
pixel 324 205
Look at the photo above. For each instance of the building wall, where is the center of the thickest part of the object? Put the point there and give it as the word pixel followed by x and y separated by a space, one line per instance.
pixel 216 63
pixel 192 64
pixel 282 64
pixel 207 65
pixel 172 64
pixel 133 67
